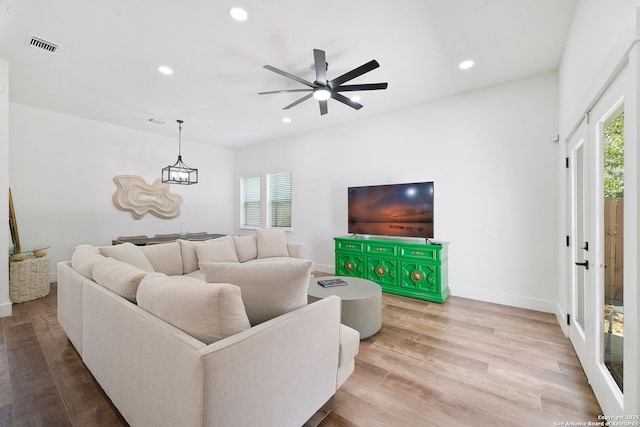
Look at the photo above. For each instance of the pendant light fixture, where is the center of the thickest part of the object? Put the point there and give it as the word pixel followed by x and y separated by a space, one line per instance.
pixel 180 173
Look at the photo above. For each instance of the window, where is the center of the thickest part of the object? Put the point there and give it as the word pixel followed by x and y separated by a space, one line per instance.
pixel 277 194
pixel 279 199
pixel 251 215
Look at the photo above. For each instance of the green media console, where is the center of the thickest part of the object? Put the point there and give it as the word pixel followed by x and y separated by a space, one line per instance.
pixel 411 269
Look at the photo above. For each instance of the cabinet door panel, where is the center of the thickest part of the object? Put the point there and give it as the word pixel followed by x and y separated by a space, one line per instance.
pixel 418 276
pixel 349 265
pixel 382 271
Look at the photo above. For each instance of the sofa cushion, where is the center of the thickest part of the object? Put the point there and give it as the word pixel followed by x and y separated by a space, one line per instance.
pixel 189 255
pixel 84 257
pixel 207 311
pixel 268 289
pixel 129 253
pixel 164 258
pixel 196 274
pixel 271 243
pixel 246 247
pixel 217 251
pixel 119 277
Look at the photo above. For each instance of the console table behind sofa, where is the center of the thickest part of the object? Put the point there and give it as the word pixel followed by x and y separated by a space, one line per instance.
pixel 144 240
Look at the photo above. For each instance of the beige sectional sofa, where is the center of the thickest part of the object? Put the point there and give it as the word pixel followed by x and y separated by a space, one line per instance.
pixel 170 349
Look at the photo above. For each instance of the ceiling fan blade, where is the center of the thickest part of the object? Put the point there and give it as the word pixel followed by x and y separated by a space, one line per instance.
pixel 356 72
pixel 323 107
pixel 345 100
pixel 293 104
pixel 284 91
pixel 368 86
pixel 288 75
pixel 320 60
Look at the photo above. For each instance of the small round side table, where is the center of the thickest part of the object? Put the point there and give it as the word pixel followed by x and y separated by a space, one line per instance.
pixel 28 274
pixel 361 302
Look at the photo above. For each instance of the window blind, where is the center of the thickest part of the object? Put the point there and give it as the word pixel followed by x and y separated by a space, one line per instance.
pixel 251 201
pixel 279 199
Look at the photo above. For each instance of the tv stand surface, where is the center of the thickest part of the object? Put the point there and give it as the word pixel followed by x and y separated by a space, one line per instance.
pixel 412 269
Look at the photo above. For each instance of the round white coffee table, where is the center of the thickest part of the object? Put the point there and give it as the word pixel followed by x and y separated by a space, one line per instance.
pixel 361 302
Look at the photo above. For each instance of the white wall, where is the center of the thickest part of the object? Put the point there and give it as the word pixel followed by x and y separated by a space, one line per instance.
pixel 5 303
pixel 61 179
pixel 600 34
pixel 494 166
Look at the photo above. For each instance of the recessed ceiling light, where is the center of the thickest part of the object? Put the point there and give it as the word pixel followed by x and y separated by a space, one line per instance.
pixel 286 120
pixel 165 70
pixel 238 14
pixel 355 98
pixel 465 65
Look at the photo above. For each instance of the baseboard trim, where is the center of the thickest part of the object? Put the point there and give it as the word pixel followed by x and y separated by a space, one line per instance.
pixel 561 316
pixel 545 306
pixel 5 309
pixel 324 268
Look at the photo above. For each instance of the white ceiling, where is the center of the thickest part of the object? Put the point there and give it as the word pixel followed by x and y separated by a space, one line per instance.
pixel 106 68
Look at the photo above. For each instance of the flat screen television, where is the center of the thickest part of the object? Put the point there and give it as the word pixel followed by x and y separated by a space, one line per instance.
pixel 392 210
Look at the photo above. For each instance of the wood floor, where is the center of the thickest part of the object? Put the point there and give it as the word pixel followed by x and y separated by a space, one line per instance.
pixel 462 363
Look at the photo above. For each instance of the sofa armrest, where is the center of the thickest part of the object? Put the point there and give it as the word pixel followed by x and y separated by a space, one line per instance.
pixel 296 250
pixel 70 302
pixel 279 372
pixel 349 347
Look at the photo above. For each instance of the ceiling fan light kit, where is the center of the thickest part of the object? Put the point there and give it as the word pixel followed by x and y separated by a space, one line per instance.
pixel 321 94
pixel 322 89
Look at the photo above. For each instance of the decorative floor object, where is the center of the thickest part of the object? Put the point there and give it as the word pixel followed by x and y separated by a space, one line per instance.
pixel 28 279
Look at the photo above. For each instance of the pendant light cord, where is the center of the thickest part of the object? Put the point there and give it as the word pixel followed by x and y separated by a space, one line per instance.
pixel 180 137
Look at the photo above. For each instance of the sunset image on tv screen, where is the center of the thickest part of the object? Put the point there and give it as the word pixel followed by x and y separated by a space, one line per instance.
pixel 394 210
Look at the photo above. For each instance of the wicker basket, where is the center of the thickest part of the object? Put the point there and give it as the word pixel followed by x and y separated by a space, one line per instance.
pixel 28 279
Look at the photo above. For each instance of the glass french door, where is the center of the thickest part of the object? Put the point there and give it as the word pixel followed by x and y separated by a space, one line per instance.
pixel 579 269
pixel 596 189
pixel 607 131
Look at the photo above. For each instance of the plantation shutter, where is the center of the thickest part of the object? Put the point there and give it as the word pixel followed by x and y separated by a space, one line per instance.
pixel 279 203
pixel 251 202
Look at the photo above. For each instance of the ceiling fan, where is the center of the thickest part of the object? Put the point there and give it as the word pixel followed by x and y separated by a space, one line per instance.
pixel 323 89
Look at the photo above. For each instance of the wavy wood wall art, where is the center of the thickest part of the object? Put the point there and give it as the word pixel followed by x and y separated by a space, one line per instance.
pixel 136 196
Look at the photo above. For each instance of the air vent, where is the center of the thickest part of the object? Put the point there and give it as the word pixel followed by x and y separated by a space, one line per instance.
pixel 40 43
pixel 156 121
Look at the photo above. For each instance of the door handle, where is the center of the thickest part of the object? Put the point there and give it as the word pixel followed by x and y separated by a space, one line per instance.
pixel 584 264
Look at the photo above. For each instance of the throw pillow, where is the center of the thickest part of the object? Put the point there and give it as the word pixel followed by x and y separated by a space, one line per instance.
pixel 164 258
pixel 271 243
pixel 189 255
pixel 246 247
pixel 217 251
pixel 119 277
pixel 207 311
pixel 84 257
pixel 129 253
pixel 268 289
